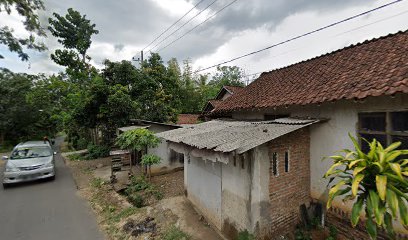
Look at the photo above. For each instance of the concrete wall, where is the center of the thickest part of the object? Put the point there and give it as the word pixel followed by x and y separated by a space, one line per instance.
pixel 233 196
pixel 236 195
pixel 203 185
pixel 163 151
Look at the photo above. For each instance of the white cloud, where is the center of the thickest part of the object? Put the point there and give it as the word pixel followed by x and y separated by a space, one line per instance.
pixel 128 26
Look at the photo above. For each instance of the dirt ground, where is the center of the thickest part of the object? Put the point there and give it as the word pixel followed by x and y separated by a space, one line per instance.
pixel 115 214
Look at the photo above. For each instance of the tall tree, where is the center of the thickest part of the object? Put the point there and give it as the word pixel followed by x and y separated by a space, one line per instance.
pixel 74 32
pixel 27 9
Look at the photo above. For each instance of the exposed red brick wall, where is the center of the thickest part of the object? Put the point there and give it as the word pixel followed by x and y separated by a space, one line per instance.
pixel 341 220
pixel 290 189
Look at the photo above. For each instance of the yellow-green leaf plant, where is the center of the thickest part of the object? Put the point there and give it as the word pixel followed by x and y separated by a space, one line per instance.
pixel 377 181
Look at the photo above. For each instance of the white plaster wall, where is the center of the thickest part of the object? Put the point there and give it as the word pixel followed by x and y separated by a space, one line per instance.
pixel 248 115
pixel 203 185
pixel 260 189
pixel 163 151
pixel 236 185
pixel 331 136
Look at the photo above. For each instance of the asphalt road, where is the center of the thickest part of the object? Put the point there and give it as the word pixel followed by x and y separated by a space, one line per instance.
pixel 46 210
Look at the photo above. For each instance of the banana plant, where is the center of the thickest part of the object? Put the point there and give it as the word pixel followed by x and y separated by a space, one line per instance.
pixel 377 182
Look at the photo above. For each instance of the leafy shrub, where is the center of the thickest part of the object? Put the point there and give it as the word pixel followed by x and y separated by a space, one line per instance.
pixel 97 151
pixel 139 185
pixel 333 232
pixel 302 235
pixel 136 199
pixel 75 157
pixel 245 235
pixel 376 180
pixel 175 233
pixel 82 143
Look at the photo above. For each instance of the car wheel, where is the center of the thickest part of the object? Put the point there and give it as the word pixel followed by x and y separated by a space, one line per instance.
pixel 6 185
pixel 52 178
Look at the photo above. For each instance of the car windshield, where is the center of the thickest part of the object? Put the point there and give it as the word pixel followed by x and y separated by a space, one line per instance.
pixel 30 152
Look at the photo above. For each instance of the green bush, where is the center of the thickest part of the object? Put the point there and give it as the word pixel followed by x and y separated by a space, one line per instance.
pixel 97 151
pixel 175 233
pixel 139 185
pixel 75 157
pixel 82 143
pixel 245 235
pixel 136 199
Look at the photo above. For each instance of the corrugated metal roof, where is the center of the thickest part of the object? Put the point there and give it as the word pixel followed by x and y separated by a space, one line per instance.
pixel 128 128
pixel 228 136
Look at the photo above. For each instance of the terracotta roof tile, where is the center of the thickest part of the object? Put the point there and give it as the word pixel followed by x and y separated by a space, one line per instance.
pixel 187 118
pixel 372 68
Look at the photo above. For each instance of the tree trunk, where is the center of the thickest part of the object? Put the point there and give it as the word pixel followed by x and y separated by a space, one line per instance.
pixel 150 173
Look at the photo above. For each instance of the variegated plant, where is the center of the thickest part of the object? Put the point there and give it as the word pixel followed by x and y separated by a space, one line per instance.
pixel 376 181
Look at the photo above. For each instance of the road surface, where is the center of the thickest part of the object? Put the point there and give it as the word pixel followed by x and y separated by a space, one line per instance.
pixel 46 210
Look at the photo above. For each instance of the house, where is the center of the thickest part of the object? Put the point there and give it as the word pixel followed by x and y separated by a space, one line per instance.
pixel 254 170
pixel 224 93
pixel 170 159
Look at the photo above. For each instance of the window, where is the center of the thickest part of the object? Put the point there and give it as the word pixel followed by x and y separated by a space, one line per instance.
pixel 242 161
pixel 275 164
pixel 287 161
pixel 386 127
pixel 235 160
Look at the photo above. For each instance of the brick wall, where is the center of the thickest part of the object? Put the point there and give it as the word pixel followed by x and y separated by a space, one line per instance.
pixel 341 220
pixel 289 190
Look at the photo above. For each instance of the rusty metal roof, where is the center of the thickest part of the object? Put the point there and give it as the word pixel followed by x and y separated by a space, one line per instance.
pixel 239 136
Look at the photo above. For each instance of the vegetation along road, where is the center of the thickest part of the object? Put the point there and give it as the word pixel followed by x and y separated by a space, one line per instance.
pixel 46 210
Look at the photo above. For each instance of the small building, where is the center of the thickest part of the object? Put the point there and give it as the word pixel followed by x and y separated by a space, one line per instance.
pixel 224 93
pixel 226 175
pixel 255 169
pixel 169 159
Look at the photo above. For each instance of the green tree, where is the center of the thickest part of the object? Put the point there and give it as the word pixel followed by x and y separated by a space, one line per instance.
pixel 149 160
pixel 27 9
pixel 228 76
pixel 20 119
pixel 74 32
pixel 376 181
pixel 139 140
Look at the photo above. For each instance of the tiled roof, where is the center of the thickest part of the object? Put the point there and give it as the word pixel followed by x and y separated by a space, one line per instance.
pixel 187 118
pixel 372 68
pixel 215 102
pixel 228 136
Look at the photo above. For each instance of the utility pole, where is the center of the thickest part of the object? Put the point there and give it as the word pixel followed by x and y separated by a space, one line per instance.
pixel 141 57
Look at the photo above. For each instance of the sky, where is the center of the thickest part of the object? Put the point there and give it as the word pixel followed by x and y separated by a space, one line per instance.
pixel 128 26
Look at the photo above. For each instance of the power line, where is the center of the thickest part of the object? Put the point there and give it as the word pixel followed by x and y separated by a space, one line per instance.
pixel 334 36
pixel 172 33
pixel 301 35
pixel 173 24
pixel 189 31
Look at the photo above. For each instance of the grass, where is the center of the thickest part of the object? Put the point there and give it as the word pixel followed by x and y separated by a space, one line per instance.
pixel 175 233
pixel 110 213
pixel 139 189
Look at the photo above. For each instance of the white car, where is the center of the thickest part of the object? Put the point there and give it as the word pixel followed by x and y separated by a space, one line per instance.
pixel 29 161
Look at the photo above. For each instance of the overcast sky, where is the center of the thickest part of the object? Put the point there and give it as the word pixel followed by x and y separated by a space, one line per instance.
pixel 127 26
